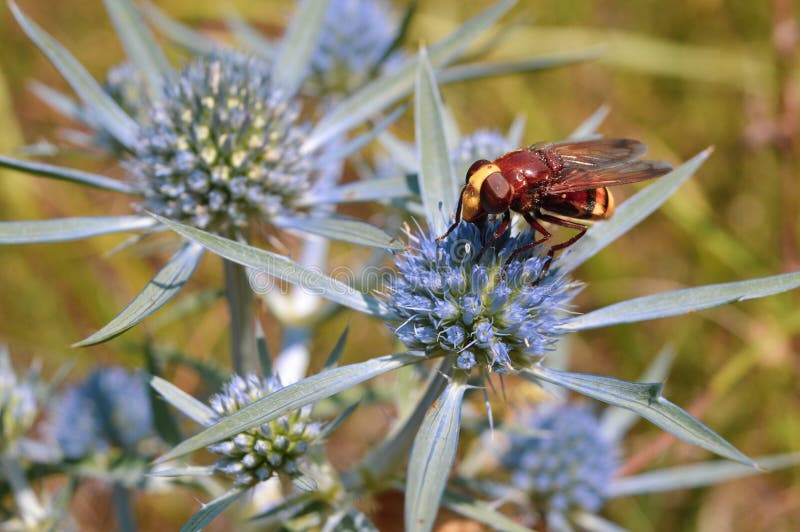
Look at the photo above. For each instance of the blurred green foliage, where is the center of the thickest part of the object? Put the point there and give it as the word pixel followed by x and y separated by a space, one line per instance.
pixel 679 76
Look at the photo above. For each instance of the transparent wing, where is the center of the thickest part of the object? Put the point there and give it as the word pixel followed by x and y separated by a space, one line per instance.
pixel 574 179
pixel 598 153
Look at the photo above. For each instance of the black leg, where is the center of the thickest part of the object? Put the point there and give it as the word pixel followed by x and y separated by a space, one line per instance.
pixel 458 217
pixel 500 230
pixel 564 223
pixel 531 219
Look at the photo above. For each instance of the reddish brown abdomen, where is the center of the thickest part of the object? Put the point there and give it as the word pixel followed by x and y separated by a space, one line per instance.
pixel 592 204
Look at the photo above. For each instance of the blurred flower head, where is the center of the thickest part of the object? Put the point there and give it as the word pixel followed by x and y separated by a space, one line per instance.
pixel 565 462
pixel 18 404
pixel 451 298
pixel 274 448
pixel 354 39
pixel 481 144
pixel 111 408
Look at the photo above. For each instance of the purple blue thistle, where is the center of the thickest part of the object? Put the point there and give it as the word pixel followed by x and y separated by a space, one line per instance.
pixel 565 463
pixel 110 409
pixel 274 448
pixel 223 146
pixel 355 36
pixel 448 299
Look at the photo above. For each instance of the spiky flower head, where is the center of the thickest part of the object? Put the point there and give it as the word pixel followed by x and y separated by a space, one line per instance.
pixel 355 36
pixel 223 146
pixel 565 463
pixel 450 298
pixel 273 448
pixel 481 144
pixel 111 408
pixel 18 405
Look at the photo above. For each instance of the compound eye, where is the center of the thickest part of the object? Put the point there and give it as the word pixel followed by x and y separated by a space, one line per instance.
pixel 495 194
pixel 474 168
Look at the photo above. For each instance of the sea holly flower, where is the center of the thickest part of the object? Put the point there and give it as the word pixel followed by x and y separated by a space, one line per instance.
pixel 220 146
pixel 434 424
pixel 287 448
pixel 560 462
pixel 109 411
pixel 359 42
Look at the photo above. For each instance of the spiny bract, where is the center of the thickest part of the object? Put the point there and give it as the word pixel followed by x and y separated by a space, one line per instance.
pixel 273 448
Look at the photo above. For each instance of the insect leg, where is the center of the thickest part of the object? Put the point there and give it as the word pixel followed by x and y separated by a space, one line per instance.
pixel 564 223
pixel 531 219
pixel 500 230
pixel 458 217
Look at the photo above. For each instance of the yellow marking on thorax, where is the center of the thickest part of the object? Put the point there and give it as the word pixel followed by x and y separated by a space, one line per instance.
pixel 471 206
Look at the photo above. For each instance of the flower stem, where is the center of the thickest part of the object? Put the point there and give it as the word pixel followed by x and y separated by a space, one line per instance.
pixel 121 497
pixel 240 302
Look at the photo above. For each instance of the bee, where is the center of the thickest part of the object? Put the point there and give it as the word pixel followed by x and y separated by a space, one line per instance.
pixel 562 183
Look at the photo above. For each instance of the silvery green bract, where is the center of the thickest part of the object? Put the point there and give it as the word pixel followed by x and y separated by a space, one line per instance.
pixel 437 428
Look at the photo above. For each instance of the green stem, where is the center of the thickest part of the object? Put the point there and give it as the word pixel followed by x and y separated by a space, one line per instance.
pixel 121 497
pixel 240 302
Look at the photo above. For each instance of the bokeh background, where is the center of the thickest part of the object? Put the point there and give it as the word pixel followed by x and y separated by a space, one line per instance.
pixel 680 76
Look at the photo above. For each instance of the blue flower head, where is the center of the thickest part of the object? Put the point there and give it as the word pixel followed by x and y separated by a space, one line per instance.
pixel 450 298
pixel 222 146
pixel 273 448
pixel 355 36
pixel 565 463
pixel 110 409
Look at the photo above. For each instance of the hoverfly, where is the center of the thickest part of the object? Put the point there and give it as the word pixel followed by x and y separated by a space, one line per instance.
pixel 561 183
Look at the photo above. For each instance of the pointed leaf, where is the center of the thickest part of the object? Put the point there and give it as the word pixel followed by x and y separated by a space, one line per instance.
pixel 588 129
pixel 627 215
pixel 366 190
pixel 336 353
pixel 58 101
pixel 183 471
pixel 595 523
pixel 696 476
pixel 516 131
pixel 336 156
pixel 469 71
pixel 184 402
pixel 292 397
pixel 249 37
pixel 341 229
pixel 108 113
pixel 164 422
pixel 64 229
pixel 616 422
pixel 67 174
pixel 386 90
pixel 646 400
pixel 282 268
pixel 161 288
pixel 683 301
pixel 480 511
pixel 402 153
pixel 211 510
pixel 179 33
pixel 140 44
pixel 338 420
pixel 298 44
pixel 432 457
pixel 437 181
pixel 264 358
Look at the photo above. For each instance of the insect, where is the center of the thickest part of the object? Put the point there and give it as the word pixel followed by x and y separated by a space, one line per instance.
pixel 561 183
